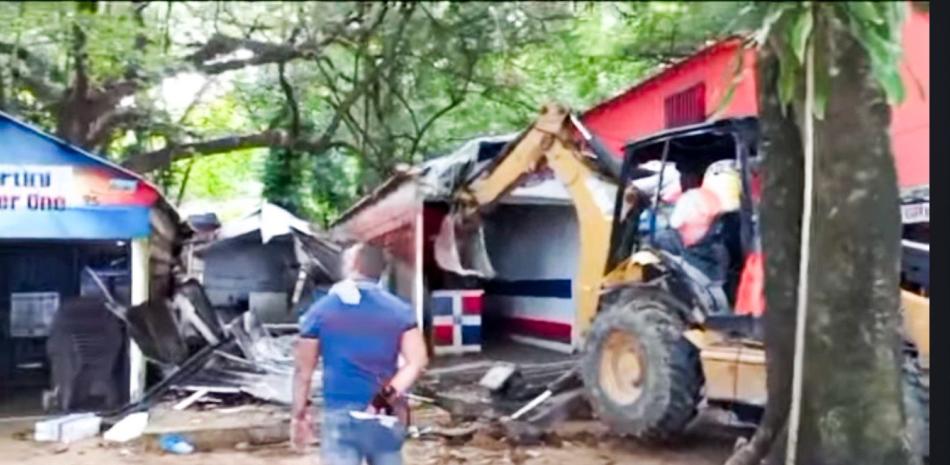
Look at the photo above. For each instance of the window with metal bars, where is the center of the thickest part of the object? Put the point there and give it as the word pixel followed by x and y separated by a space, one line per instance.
pixel 686 107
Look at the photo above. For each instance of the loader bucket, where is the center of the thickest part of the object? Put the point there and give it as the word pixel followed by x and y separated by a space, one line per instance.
pixel 461 249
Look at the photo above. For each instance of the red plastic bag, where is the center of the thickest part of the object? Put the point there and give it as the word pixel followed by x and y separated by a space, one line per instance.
pixel 751 292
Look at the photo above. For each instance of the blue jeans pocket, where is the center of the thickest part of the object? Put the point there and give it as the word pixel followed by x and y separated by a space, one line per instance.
pixel 380 438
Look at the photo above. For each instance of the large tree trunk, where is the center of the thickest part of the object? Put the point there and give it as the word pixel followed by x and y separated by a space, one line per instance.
pixel 780 212
pixel 851 402
pixel 851 399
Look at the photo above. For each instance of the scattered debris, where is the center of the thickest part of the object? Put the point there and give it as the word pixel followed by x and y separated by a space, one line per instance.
pixel 567 380
pixel 483 439
pixel 190 400
pixel 214 429
pixel 176 444
pixel 60 448
pixel 498 376
pixel 219 379
pixel 567 405
pixel 522 433
pixel 459 434
pixel 68 429
pixel 127 429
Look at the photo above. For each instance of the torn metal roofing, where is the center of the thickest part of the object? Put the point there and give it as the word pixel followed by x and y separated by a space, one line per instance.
pixel 438 177
pixel 271 220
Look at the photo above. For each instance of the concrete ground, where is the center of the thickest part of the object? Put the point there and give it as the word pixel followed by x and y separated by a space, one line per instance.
pixel 578 443
pixel 502 350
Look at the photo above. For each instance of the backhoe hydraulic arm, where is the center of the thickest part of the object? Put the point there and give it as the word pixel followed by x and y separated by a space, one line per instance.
pixel 550 142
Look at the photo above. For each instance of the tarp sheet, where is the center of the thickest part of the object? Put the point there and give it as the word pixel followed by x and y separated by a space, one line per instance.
pixel 52 190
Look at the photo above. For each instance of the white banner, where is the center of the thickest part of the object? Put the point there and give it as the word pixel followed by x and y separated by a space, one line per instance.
pixel 37 188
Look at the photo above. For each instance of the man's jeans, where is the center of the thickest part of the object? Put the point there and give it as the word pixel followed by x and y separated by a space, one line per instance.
pixel 348 441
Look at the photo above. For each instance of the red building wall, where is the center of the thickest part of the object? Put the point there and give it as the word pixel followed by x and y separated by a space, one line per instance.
pixel 639 111
pixel 910 121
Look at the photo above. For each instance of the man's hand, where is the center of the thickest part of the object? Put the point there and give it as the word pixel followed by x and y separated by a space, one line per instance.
pixel 383 402
pixel 301 423
pixel 301 432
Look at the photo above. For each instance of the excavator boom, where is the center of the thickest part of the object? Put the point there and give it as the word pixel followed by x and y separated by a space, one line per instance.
pixel 550 142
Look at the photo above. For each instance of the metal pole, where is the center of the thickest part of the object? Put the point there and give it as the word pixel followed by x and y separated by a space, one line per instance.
pixel 140 281
pixel 808 144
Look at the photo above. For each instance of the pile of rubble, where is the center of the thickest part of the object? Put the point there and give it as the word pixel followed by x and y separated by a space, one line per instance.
pixel 208 366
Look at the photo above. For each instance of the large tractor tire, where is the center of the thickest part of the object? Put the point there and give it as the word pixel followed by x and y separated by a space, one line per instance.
pixel 916 391
pixel 642 377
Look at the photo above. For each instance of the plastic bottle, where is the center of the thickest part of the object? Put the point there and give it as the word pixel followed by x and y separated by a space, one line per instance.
pixel 175 444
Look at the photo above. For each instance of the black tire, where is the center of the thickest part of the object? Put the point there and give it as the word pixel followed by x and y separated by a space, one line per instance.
pixel 665 394
pixel 916 392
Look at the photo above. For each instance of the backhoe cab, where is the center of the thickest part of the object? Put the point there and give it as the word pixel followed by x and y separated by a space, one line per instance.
pixel 667 331
pixel 665 328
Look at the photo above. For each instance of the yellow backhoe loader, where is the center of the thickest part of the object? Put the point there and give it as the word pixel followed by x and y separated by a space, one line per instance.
pixel 657 334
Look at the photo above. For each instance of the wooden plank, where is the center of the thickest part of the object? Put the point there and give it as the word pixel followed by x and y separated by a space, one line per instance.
pixel 162 224
pixel 190 400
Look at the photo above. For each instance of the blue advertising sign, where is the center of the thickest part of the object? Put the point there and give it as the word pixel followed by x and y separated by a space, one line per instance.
pixel 52 190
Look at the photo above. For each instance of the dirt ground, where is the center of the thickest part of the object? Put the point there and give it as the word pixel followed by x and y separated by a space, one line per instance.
pixel 580 443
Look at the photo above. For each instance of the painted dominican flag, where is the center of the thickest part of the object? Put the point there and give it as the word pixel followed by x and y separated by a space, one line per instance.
pixel 457 321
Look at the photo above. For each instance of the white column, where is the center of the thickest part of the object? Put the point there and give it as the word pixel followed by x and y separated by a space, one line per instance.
pixel 418 271
pixel 140 278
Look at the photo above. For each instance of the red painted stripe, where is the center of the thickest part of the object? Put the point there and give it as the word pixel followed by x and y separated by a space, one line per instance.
pixel 551 330
pixel 443 335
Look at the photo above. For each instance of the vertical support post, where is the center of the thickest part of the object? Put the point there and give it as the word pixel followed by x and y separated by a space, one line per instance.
pixel 418 268
pixel 140 279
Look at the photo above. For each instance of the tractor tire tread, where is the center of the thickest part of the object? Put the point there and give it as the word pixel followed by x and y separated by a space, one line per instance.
pixel 663 412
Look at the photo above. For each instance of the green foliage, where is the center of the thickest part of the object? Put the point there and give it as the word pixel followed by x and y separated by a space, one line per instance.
pixel 333 186
pixel 425 77
pixel 877 26
pixel 283 179
pixel 220 177
pixel 790 27
pixel 318 187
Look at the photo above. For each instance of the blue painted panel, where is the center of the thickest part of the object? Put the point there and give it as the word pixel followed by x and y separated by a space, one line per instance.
pixel 114 223
pixel 442 306
pixel 471 335
pixel 98 199
pixel 557 288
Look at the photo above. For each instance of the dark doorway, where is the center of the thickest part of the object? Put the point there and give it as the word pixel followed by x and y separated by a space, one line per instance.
pixel 36 279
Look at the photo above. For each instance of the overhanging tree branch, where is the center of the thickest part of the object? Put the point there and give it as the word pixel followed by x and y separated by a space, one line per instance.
pixel 291 100
pixel 101 129
pixel 151 161
pixel 33 76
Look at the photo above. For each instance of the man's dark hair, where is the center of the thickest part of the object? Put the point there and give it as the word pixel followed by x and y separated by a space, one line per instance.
pixel 368 260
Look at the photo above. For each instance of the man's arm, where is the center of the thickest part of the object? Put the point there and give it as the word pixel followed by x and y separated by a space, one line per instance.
pixel 413 350
pixel 305 361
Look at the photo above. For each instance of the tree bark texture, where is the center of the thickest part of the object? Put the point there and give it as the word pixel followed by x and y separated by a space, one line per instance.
pixel 780 225
pixel 851 397
pixel 851 407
